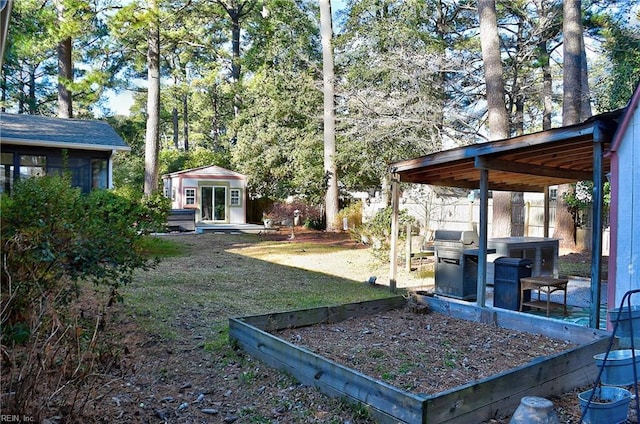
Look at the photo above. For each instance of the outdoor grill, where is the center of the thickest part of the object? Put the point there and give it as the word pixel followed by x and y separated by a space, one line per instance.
pixel 456 263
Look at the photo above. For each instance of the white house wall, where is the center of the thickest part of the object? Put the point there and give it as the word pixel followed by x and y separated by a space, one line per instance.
pixel 628 237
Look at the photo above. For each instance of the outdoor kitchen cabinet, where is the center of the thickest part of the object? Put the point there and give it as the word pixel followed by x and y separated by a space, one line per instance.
pixel 542 251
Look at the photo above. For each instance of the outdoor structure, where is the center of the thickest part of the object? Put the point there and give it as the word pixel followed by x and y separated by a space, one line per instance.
pixel 605 144
pixel 624 154
pixel 35 145
pixel 217 195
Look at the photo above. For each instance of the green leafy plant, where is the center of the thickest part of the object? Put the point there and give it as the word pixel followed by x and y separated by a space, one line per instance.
pixel 353 214
pixel 580 199
pixel 54 241
pixel 377 232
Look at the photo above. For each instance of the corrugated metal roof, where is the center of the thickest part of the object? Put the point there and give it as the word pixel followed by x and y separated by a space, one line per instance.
pixel 36 130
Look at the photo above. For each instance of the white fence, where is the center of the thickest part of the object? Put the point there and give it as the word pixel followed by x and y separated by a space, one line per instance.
pixel 434 212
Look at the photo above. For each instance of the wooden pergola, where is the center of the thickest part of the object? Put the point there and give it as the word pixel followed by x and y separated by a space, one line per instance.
pixel 528 163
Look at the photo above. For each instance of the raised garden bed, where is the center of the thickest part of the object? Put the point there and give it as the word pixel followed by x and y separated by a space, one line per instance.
pixel 474 401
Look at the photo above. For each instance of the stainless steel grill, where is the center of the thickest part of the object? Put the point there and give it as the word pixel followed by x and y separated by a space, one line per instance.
pixel 456 263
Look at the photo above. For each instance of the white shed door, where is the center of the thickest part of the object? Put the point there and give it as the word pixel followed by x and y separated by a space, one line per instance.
pixel 214 203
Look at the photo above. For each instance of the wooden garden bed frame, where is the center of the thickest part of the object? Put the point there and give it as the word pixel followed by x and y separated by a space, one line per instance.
pixel 476 401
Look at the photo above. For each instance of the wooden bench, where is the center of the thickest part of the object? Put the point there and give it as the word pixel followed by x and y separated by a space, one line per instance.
pixel 546 285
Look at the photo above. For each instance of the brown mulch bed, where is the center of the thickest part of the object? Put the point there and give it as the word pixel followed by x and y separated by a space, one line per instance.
pixel 423 353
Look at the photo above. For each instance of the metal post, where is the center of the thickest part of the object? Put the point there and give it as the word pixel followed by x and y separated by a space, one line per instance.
pixel 408 248
pixel 483 237
pixel 546 212
pixel 394 232
pixel 596 227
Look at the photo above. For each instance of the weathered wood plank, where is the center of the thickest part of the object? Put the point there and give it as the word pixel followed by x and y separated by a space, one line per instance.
pixel 328 376
pixel 513 320
pixel 501 393
pixel 472 402
pixel 332 314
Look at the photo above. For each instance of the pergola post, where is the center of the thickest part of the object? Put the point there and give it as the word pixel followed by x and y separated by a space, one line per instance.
pixel 483 237
pixel 596 226
pixel 546 213
pixel 393 259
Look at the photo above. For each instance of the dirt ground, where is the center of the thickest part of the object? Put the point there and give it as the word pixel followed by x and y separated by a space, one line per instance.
pixel 161 380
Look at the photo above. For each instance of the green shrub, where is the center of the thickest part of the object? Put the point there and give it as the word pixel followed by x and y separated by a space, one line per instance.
pixel 377 232
pixel 54 240
pixel 353 213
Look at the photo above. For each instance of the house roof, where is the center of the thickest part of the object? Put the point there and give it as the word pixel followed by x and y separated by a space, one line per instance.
pixel 44 131
pixel 524 163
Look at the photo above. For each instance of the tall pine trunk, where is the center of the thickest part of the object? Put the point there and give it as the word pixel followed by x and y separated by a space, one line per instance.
pixel 503 206
pixel 331 197
pixel 151 146
pixel 65 68
pixel 574 93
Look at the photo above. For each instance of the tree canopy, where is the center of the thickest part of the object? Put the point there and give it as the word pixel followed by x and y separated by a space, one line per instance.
pixel 242 79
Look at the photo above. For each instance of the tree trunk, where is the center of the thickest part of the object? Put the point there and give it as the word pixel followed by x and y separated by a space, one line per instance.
pixel 585 100
pixel 153 103
pixel 65 69
pixel 490 44
pixel 176 124
pixel 572 72
pixel 185 116
pixel 573 93
pixel 547 85
pixel 498 117
pixel 65 75
pixel 331 197
pixel 31 101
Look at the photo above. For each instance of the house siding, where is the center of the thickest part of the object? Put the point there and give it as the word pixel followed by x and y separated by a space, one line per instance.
pixel 627 263
pixel 78 162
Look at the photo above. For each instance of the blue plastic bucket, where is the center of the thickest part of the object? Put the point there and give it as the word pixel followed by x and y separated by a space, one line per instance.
pixel 628 317
pixel 618 367
pixel 610 405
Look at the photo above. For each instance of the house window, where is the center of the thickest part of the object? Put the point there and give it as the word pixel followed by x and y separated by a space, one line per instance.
pixel 99 173
pixel 6 172
pixel 189 196
pixel 32 166
pixel 235 197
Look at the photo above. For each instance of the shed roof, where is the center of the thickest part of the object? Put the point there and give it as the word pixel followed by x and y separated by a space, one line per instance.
pixel 44 131
pixel 206 170
pixel 525 163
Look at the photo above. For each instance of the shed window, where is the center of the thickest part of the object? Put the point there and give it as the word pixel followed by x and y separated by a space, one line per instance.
pixel 235 197
pixel 189 196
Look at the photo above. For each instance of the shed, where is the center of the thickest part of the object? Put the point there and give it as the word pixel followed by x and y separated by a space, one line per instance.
pixel 606 144
pixel 217 195
pixel 40 145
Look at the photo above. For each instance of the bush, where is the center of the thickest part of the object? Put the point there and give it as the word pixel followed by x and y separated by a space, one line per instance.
pixel 283 213
pixel 377 232
pixel 353 213
pixel 54 239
